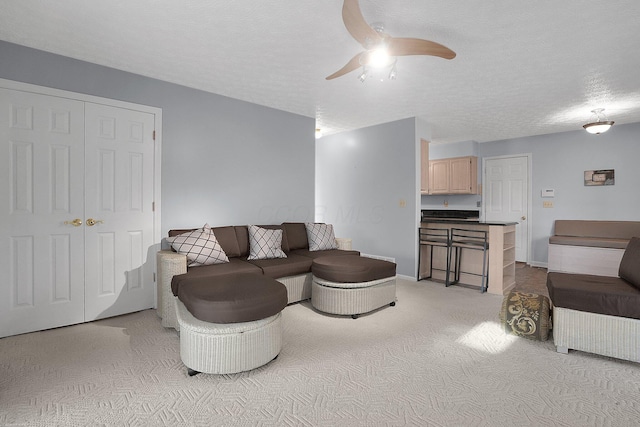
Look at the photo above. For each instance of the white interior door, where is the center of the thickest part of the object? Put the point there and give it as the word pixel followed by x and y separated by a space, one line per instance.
pixel 41 188
pixel 64 163
pixel 506 197
pixel 119 197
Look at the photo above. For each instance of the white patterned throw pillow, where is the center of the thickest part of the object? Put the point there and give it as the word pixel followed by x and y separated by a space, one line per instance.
pixel 265 243
pixel 200 246
pixel 320 237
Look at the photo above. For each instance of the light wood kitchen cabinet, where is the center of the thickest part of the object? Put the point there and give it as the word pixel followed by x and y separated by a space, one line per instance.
pixel 456 175
pixel 424 166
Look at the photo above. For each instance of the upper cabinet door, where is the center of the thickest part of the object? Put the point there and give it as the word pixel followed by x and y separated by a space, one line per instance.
pixel 439 176
pixel 464 173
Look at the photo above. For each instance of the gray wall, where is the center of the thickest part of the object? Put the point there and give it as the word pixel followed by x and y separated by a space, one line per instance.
pixel 361 178
pixel 223 161
pixel 559 161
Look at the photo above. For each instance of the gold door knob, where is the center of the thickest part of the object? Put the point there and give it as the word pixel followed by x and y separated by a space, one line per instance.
pixel 76 222
pixel 523 218
pixel 91 222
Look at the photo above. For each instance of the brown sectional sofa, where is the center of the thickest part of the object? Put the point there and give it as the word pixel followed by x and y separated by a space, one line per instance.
pixel 599 314
pixel 294 271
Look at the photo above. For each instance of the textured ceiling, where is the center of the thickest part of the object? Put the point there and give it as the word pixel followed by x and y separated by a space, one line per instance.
pixel 522 67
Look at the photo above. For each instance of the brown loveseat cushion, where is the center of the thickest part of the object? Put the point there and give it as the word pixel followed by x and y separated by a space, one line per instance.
pixel 351 269
pixel 605 229
pixel 595 294
pixel 630 264
pixel 233 298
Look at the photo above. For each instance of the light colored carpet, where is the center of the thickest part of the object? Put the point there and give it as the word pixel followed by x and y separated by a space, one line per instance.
pixel 437 358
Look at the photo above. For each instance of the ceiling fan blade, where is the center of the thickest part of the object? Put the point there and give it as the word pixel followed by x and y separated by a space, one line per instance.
pixel 353 64
pixel 357 26
pixel 407 46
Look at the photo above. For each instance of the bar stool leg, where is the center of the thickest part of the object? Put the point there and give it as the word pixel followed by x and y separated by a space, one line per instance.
pixel 485 273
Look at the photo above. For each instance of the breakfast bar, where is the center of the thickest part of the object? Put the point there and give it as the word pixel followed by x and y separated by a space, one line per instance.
pixel 501 255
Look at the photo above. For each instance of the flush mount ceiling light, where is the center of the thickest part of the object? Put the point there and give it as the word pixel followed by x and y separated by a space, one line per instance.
pixel 598 122
pixel 318 133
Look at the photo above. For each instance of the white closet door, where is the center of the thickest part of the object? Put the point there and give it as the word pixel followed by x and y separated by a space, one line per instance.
pixel 41 188
pixel 119 196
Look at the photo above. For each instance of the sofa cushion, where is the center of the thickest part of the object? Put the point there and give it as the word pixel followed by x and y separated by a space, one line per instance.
pixel 317 254
pixel 265 243
pixel 594 294
pixel 200 247
pixel 234 266
pixel 630 264
pixel 233 298
pixel 283 267
pixel 228 240
pixel 320 236
pixel 342 269
pixel 296 235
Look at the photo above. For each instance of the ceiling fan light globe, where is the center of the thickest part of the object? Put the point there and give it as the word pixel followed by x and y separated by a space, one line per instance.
pixel 378 58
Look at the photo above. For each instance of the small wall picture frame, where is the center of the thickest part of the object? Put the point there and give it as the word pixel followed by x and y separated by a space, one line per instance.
pixel 599 177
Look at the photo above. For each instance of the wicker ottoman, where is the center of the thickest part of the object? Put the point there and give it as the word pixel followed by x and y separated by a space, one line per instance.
pixel 352 285
pixel 230 323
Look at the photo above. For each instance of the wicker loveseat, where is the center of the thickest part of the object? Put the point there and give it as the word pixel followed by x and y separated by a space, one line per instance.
pixel 599 314
pixel 589 247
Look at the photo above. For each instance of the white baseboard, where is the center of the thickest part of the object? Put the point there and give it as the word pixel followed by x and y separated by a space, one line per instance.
pixel 539 264
pixel 409 278
pixel 384 258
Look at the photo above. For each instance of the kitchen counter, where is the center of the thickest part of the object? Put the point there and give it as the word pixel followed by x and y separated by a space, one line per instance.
pixel 465 221
pixel 502 254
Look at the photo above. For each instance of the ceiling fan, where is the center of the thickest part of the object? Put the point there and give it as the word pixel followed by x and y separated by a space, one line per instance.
pixel 381 49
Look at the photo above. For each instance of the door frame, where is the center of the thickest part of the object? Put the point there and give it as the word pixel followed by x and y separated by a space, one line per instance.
pixel 529 157
pixel 157 151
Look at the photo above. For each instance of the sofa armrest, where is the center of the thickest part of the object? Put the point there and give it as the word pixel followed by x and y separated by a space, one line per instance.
pixel 169 264
pixel 343 243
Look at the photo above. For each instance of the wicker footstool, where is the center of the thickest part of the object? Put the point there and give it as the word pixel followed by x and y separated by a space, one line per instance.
pixel 230 323
pixel 350 285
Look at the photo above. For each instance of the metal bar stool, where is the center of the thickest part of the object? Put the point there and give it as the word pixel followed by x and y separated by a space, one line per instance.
pixel 469 239
pixel 434 237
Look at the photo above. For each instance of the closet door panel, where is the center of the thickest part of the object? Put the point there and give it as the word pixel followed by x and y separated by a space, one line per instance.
pixel 41 189
pixel 119 196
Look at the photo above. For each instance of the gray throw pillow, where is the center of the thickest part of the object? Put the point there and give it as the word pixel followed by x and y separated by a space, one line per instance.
pixel 630 264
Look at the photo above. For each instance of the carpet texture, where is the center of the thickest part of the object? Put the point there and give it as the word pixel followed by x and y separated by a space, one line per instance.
pixel 438 358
